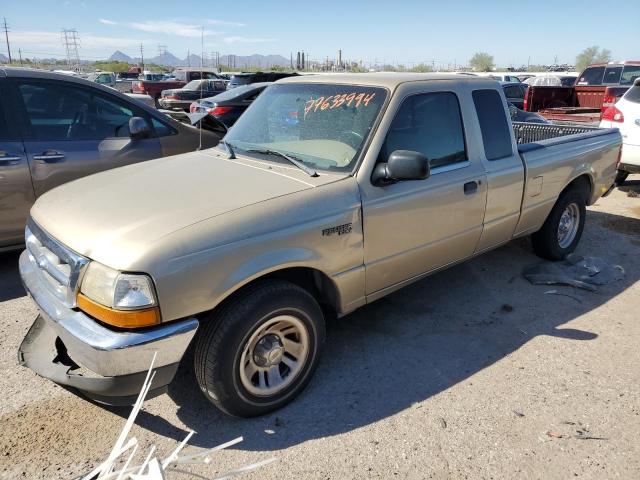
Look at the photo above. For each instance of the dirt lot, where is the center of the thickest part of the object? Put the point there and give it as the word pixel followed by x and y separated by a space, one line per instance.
pixel 472 373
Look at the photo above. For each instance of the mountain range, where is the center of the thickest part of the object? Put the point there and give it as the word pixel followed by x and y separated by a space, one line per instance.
pixel 193 60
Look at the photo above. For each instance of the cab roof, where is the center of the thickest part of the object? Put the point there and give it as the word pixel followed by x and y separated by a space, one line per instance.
pixel 389 80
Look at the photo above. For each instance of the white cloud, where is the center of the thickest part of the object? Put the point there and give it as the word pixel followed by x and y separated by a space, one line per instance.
pixel 50 43
pixel 238 39
pixel 166 27
pixel 224 22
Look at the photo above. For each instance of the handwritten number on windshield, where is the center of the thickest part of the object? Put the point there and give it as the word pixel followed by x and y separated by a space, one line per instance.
pixel 335 101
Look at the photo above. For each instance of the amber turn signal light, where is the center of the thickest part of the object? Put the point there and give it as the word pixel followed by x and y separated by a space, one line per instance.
pixel 119 318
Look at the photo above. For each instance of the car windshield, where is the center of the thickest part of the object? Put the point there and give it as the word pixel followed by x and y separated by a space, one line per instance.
pixel 324 126
pixel 193 85
pixel 241 79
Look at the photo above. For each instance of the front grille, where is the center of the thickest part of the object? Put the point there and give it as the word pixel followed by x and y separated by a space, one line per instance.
pixel 60 268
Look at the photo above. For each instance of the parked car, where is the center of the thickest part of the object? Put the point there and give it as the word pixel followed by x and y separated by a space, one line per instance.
pixel 551 80
pixel 224 109
pixel 107 79
pixel 522 77
pixel 504 77
pixel 287 222
pixel 257 77
pixel 514 91
pixel 625 115
pixel 181 98
pixel 597 88
pixel 154 88
pixel 56 128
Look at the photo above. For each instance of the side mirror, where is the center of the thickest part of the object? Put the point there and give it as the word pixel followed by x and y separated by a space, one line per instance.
pixel 401 165
pixel 138 128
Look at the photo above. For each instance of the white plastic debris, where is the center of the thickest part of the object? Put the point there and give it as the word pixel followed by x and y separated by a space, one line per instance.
pixel 153 468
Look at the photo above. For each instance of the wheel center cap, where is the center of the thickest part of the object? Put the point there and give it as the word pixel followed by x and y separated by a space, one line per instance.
pixel 268 351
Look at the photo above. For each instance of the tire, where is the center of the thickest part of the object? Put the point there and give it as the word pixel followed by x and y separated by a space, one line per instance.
pixel 235 335
pixel 547 242
pixel 621 176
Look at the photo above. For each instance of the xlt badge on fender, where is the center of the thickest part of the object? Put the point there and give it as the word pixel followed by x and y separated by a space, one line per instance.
pixel 339 229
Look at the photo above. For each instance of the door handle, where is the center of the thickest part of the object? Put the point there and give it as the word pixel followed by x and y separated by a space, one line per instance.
pixel 470 188
pixel 49 156
pixel 7 160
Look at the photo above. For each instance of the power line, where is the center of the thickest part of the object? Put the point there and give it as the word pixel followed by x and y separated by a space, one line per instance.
pixel 6 35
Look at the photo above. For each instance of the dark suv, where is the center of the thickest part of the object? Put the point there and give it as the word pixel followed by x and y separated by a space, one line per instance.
pixel 257 77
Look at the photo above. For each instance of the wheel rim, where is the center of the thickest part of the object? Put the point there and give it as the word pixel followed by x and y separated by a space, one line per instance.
pixel 274 356
pixel 568 225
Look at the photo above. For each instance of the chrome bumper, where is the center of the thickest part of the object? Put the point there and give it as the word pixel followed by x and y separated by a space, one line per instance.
pixel 103 351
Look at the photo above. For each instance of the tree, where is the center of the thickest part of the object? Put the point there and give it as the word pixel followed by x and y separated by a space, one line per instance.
pixel 422 68
pixel 592 55
pixel 481 62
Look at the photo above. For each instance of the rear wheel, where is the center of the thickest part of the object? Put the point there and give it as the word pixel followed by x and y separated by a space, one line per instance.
pixel 259 351
pixel 562 230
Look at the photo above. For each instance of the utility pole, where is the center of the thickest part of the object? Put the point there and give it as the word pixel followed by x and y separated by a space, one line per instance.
pixel 142 57
pixel 188 58
pixel 20 54
pixel 70 42
pixel 6 35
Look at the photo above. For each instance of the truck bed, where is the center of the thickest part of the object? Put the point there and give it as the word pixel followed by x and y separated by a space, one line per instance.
pixel 534 132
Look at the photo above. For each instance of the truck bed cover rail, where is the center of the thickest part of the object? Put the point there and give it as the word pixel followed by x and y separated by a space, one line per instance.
pixel 534 132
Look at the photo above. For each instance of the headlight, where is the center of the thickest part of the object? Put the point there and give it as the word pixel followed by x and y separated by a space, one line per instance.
pixel 120 299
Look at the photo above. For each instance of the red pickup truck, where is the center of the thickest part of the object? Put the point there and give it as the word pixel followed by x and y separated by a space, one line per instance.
pixel 597 88
pixel 154 88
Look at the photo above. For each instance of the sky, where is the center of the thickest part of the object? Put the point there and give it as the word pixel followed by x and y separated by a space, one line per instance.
pixel 397 32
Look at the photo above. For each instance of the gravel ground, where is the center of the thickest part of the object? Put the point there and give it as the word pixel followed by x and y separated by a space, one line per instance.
pixel 471 373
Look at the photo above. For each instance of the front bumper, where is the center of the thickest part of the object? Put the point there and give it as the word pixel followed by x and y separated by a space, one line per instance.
pixel 630 159
pixel 72 349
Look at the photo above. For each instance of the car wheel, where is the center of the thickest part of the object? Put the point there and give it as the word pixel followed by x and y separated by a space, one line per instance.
pixel 562 230
pixel 259 350
pixel 621 177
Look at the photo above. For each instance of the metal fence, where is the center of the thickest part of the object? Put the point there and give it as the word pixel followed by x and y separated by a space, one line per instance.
pixel 534 132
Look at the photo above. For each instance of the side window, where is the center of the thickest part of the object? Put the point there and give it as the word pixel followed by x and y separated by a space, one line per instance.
pixel 494 127
pixel 57 111
pixel 629 74
pixel 591 76
pixel 513 92
pixel 5 132
pixel 429 123
pixel 612 75
pixel 162 130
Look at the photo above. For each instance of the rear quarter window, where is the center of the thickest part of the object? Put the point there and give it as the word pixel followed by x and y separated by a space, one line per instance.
pixel 496 134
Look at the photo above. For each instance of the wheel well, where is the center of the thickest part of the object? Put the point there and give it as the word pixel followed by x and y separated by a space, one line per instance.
pixel 313 281
pixel 583 184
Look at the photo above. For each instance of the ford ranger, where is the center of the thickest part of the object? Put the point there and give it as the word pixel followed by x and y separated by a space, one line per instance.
pixel 330 192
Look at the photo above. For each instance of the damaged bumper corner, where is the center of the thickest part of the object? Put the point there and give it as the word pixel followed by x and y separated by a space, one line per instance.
pixel 71 349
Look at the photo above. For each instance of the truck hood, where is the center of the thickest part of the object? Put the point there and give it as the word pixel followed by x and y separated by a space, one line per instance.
pixel 115 215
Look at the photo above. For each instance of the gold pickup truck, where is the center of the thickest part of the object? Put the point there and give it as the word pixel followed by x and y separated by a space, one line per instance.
pixel 327 194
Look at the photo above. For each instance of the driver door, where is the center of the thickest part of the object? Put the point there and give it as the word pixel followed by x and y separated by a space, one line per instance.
pixel 73 130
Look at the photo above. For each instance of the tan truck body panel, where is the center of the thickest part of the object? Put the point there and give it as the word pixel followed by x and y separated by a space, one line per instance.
pixel 203 226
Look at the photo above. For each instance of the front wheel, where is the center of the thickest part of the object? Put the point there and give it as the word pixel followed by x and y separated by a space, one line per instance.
pixel 562 230
pixel 259 351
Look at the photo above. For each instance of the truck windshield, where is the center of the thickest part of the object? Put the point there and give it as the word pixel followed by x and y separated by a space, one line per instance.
pixel 324 126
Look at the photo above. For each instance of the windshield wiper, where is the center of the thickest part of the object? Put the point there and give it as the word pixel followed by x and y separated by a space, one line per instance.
pixel 229 148
pixel 308 170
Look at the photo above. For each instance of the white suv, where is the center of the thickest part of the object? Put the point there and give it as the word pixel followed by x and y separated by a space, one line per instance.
pixel 625 115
